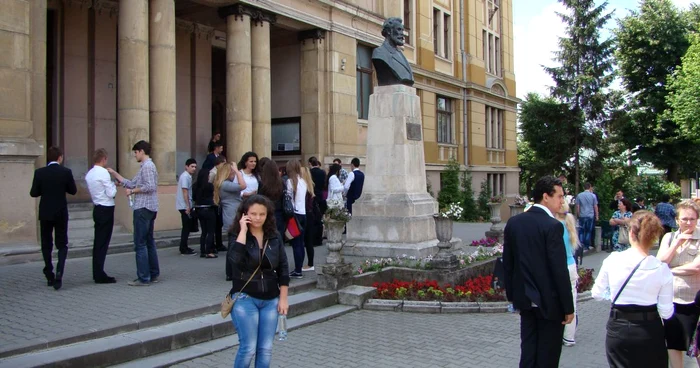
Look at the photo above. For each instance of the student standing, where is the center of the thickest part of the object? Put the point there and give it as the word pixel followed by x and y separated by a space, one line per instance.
pixel 354 184
pixel 102 190
pixel 183 203
pixel 51 183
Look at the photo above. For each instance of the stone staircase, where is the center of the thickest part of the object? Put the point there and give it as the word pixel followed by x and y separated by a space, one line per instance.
pixel 81 227
pixel 161 342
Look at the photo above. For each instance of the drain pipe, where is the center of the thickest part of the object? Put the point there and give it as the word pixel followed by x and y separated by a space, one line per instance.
pixel 465 130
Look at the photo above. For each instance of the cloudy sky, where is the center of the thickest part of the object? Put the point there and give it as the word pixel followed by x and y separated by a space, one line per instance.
pixel 537 28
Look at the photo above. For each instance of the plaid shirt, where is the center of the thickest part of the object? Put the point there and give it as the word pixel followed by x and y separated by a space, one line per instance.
pixel 666 213
pixel 147 182
pixel 343 175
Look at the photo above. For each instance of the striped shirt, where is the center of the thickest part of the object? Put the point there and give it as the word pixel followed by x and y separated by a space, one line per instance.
pixel 147 182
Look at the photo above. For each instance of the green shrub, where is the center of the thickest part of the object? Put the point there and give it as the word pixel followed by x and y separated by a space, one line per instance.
pixel 449 191
pixel 470 211
pixel 483 200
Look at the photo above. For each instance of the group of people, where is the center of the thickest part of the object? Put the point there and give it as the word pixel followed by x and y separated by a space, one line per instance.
pixel 655 300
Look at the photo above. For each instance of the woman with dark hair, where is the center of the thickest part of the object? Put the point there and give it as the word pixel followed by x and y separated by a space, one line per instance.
pixel 619 220
pixel 679 249
pixel 272 187
pixel 255 249
pixel 640 287
pixel 335 188
pixel 203 196
pixel 296 187
pixel 249 167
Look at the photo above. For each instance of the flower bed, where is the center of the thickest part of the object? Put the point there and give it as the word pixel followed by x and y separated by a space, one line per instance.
pixel 478 289
pixel 465 259
pixel 585 280
pixel 485 242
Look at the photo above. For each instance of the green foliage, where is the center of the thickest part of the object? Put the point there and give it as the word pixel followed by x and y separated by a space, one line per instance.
pixel 449 191
pixel 651 188
pixel 605 189
pixel 650 44
pixel 470 211
pixel 684 93
pixel 484 211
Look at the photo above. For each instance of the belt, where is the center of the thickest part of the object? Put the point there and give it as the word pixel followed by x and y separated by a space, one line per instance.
pixel 634 316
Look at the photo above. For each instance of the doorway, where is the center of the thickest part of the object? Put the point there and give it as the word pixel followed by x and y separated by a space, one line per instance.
pixel 218 94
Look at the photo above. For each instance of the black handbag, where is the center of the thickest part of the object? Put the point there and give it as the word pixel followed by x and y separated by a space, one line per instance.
pixel 287 202
pixel 193 223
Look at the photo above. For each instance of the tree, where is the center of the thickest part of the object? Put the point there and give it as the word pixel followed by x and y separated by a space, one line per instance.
pixel 470 211
pixel 650 43
pixel 449 190
pixel 684 93
pixel 547 138
pixel 484 199
pixel 584 74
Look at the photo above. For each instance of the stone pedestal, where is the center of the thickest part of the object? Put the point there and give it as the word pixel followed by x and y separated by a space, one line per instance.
pixel 598 241
pixel 444 259
pixel 394 216
pixel 334 276
pixel 497 226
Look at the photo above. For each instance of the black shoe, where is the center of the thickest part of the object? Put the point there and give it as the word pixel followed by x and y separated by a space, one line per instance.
pixel 229 278
pixel 49 282
pixel 222 248
pixel 106 280
pixel 58 282
pixel 188 252
pixel 296 275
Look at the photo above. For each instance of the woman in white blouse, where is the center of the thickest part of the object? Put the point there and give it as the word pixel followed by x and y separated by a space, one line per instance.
pixel 249 168
pixel 641 289
pixel 335 188
pixel 297 187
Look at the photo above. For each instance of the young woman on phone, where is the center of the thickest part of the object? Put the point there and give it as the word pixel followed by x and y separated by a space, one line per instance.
pixel 257 250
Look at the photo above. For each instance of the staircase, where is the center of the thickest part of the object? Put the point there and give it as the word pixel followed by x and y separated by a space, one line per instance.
pixel 81 230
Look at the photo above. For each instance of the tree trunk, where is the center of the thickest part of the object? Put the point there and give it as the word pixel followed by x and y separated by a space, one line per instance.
pixel 577 160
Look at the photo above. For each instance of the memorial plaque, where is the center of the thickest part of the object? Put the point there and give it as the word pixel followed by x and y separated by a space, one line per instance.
pixel 413 131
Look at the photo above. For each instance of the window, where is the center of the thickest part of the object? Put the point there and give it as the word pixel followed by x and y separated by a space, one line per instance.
pixel 492 37
pixel 407 13
pixel 494 128
pixel 445 129
pixel 497 184
pixel 442 39
pixel 364 80
pixel 286 136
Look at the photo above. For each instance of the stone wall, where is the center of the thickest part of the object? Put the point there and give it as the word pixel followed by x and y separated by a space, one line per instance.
pixel 453 277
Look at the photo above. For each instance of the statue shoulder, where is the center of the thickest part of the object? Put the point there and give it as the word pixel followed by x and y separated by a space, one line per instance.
pixel 380 52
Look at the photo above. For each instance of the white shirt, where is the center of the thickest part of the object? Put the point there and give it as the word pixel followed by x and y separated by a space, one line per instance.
pixel 335 189
pixel 349 180
pixel 545 209
pixel 251 183
pixel 299 196
pixel 102 188
pixel 651 284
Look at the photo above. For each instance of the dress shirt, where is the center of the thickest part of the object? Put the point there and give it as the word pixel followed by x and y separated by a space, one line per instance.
pixel 545 209
pixel 147 182
pixel 684 287
pixel 651 284
pixel 102 188
pixel 349 180
pixel 184 182
pixel 52 163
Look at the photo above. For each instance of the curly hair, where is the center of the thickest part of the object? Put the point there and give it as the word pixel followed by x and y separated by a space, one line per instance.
pixel 244 160
pixel 688 204
pixel 646 228
pixel 269 226
pixel 390 24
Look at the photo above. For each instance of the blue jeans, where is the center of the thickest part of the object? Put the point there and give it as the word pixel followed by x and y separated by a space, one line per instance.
pixel 255 321
pixel 145 246
pixel 298 244
pixel 586 234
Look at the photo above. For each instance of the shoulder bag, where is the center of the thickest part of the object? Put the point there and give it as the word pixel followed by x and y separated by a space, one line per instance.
pixel 227 304
pixel 287 202
pixel 623 235
pixel 626 281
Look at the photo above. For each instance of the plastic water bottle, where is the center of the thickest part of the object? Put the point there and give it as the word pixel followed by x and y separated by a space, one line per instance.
pixel 282 327
pixel 131 201
pixel 511 309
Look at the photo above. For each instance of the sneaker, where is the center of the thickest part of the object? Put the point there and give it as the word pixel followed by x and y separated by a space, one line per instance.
pixel 568 344
pixel 307 268
pixel 296 275
pixel 155 280
pixel 188 252
pixel 138 282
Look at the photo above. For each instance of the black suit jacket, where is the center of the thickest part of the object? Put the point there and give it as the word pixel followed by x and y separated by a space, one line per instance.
pixel 319 178
pixel 209 162
pixel 51 183
pixel 534 259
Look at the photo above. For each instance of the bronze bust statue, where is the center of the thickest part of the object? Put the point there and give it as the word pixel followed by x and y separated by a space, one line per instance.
pixel 389 62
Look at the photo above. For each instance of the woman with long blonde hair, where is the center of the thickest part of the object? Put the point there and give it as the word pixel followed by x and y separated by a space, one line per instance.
pixel 313 220
pixel 227 195
pixel 297 188
pixel 571 244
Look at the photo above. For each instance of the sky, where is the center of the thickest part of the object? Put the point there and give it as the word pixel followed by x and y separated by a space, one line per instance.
pixel 537 30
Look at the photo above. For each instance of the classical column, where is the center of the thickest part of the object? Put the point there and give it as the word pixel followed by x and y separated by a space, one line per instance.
pixel 239 124
pixel 162 81
pixel 132 87
pixel 313 93
pixel 262 113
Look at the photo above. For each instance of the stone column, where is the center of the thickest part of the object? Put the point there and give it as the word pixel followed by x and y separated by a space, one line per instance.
pixel 262 114
pixel 239 124
pixel 133 84
pixel 313 93
pixel 162 91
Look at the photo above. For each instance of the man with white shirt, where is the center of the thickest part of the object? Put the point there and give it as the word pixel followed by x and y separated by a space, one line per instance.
pixel 183 203
pixel 102 190
pixel 353 186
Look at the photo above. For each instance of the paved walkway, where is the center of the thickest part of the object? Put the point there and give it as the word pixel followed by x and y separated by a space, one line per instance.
pixel 34 313
pixel 393 339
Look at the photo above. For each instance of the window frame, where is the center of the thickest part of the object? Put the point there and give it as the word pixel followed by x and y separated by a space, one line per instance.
pixel 363 70
pixel 492 40
pixel 408 11
pixel 442 35
pixel 280 121
pixel 496 183
pixel 448 114
pixel 494 127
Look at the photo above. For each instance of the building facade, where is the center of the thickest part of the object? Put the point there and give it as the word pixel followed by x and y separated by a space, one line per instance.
pixel 284 78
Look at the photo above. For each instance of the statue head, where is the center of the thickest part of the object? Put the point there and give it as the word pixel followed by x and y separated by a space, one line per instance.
pixel 392 30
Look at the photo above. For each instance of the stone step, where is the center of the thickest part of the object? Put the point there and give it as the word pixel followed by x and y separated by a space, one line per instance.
pixel 196 351
pixel 83 223
pixel 79 206
pixel 79 215
pixel 88 233
pixel 115 349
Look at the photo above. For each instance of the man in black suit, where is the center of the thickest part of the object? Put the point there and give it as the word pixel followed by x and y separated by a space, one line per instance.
pixel 210 161
pixel 51 183
pixel 536 276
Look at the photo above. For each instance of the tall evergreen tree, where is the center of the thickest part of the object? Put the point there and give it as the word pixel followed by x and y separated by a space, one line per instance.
pixel 584 73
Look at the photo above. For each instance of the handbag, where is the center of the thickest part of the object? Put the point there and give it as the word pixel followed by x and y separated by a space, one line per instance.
pixel 287 202
pixel 227 304
pixel 623 235
pixel 626 281
pixel 193 223
pixel 294 228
